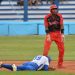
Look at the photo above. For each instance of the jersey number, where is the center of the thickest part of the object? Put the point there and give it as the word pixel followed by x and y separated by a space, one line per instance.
pixel 37 58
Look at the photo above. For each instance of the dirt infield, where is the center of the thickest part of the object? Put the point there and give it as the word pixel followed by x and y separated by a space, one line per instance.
pixel 69 66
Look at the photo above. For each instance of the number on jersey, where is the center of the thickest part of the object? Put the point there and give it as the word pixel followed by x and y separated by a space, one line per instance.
pixel 37 58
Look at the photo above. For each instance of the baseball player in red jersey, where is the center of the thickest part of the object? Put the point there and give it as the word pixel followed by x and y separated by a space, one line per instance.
pixel 54 32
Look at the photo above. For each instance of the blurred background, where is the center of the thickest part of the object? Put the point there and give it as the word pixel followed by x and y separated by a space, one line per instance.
pixel 31 12
pixel 15 10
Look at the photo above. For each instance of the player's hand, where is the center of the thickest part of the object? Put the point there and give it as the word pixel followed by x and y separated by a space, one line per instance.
pixel 52 68
pixel 62 37
pixel 48 37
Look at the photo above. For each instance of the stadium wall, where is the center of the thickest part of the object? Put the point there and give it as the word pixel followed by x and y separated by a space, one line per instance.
pixel 30 28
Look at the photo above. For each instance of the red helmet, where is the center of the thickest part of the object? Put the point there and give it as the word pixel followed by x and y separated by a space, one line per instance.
pixel 53 7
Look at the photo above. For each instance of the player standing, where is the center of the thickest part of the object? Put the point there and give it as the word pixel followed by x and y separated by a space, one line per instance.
pixel 54 32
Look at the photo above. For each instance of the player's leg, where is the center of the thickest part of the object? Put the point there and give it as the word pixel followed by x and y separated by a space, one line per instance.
pixel 60 45
pixel 27 66
pixel 24 68
pixel 7 66
pixel 47 45
pixel 61 53
pixel 13 67
pixel 21 68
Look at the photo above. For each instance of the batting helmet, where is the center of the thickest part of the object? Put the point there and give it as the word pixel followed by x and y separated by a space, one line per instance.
pixel 53 7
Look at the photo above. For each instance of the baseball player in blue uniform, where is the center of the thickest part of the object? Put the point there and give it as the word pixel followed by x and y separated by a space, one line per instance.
pixel 39 62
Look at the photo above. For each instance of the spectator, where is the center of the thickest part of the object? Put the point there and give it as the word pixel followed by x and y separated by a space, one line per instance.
pixel 33 2
pixel 48 1
pixel 30 2
pixel 1 1
pixel 20 2
pixel 52 1
pixel 41 1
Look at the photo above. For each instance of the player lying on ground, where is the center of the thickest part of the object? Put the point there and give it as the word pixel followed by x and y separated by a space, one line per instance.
pixel 38 63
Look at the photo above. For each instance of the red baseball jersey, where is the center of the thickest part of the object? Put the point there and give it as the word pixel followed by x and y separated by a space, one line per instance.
pixel 53 23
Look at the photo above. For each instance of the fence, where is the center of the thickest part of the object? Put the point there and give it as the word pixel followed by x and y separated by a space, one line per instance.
pixel 30 28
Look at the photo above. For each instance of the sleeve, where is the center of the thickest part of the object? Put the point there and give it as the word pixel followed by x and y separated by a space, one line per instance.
pixel 46 65
pixel 45 21
pixel 61 19
pixel 46 24
pixel 61 23
pixel 45 68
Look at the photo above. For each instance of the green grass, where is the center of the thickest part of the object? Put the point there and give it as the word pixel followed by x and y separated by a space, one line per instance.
pixel 20 48
pixel 26 47
pixel 35 73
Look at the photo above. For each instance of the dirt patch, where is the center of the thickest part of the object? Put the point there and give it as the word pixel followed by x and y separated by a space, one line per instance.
pixel 69 66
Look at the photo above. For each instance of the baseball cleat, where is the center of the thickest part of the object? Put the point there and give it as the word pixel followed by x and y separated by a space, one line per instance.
pixel 60 66
pixel 14 67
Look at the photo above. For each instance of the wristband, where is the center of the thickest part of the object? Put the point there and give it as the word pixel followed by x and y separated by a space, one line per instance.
pixel 47 31
pixel 62 30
